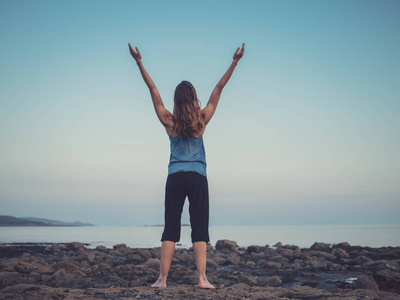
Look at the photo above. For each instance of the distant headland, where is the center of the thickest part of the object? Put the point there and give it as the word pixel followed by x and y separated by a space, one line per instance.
pixel 30 221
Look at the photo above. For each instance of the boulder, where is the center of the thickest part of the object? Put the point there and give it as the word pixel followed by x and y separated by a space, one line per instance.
pixel 153 263
pixel 320 246
pixel 247 279
pixel 253 248
pixel 233 259
pixel 225 244
pixel 118 246
pixel 366 283
pixel 211 264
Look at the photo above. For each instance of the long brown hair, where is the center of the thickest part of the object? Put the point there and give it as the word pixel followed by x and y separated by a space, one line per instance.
pixel 187 115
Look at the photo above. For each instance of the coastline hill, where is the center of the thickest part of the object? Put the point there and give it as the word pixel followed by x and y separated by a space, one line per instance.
pixel 30 221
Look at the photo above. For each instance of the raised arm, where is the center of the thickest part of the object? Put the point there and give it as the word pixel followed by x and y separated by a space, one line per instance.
pixel 163 115
pixel 212 103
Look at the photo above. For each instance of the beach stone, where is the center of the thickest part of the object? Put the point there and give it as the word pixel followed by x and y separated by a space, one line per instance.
pixel 19 288
pixel 250 264
pixel 247 279
pixel 153 263
pixel 119 246
pixel 233 258
pixel 63 265
pixel 211 264
pixel 225 244
pixel 101 248
pixel 75 246
pixel 88 255
pixel 272 265
pixel 388 279
pixel 143 253
pixel 342 245
pixel 366 283
pixel 340 253
pixel 269 281
pixel 278 245
pixel 320 246
pixel 240 286
pixel 9 278
pixel 104 266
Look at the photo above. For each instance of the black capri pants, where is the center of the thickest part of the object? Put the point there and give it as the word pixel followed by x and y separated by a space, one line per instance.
pixel 195 187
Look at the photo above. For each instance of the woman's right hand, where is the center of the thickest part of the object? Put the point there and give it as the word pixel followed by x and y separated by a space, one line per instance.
pixel 135 54
pixel 238 54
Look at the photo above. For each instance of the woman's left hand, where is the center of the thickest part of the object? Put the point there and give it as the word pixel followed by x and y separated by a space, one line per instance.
pixel 135 54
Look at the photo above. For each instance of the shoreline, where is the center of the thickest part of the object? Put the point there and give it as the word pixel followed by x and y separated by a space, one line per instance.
pixel 256 272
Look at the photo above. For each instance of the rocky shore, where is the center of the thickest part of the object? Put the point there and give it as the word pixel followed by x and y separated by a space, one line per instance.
pixel 323 271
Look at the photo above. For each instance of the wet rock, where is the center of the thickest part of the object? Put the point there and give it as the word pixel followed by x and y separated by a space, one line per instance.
pixel 225 244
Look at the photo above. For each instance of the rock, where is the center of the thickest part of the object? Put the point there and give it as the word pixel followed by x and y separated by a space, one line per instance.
pixel 247 279
pixel 211 264
pixel 63 265
pixel 387 279
pixel 104 266
pixel 342 245
pixel 251 249
pixel 240 286
pixel 250 264
pixel 89 256
pixel 360 260
pixel 233 258
pixel 278 245
pixel 143 253
pixel 366 283
pixel 153 263
pixel 272 265
pixel 101 248
pixel 116 247
pixel 296 265
pixel 225 244
pixel 75 246
pixel 340 253
pixel 19 288
pixel 271 281
pixel 320 246
pixel 9 278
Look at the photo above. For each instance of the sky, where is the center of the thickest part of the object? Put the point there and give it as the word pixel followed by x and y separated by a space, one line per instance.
pixel 306 132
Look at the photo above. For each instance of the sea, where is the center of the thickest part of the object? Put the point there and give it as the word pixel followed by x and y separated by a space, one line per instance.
pixel 149 236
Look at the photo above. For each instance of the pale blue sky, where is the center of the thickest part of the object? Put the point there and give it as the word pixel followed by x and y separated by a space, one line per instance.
pixel 307 130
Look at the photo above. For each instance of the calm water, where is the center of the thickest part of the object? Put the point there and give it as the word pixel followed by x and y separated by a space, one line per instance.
pixel 143 237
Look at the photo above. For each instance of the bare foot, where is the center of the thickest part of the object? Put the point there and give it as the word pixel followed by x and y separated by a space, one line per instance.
pixel 204 284
pixel 159 284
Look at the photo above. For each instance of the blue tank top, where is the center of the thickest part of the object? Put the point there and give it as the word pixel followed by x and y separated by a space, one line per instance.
pixel 187 155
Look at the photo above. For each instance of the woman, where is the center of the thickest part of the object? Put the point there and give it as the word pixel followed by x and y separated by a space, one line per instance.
pixel 187 167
